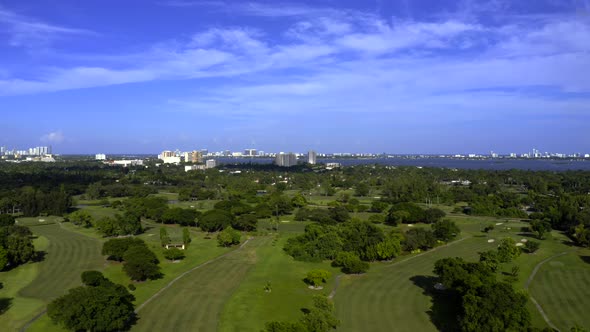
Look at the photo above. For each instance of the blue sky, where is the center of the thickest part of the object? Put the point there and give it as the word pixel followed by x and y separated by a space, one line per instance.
pixel 399 76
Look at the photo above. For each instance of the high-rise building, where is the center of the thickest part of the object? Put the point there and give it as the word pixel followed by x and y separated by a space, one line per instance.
pixel 250 152
pixel 166 154
pixel 195 157
pixel 210 163
pixel 286 159
pixel 311 157
pixel 100 156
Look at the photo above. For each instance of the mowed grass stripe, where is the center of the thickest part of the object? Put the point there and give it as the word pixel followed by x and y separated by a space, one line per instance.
pixel 195 301
pixel 560 287
pixel 386 297
pixel 68 255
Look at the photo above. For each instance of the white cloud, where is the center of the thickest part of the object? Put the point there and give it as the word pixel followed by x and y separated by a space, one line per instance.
pixel 53 137
pixel 350 54
pixel 28 32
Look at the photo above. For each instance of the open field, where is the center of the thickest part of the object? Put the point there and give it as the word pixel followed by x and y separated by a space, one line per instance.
pixel 195 301
pixel 390 293
pixel 250 307
pixel 561 288
pixel 390 297
pixel 34 285
pixel 227 294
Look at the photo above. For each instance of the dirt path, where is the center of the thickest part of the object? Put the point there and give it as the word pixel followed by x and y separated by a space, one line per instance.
pixel 187 272
pixel 530 279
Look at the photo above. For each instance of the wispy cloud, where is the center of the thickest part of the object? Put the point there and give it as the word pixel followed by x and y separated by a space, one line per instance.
pixel 344 61
pixel 28 32
pixel 53 137
pixel 274 9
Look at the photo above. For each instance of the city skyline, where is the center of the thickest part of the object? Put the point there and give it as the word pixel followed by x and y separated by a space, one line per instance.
pixel 406 77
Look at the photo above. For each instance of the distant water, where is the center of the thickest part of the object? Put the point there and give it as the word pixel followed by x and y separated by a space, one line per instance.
pixel 488 164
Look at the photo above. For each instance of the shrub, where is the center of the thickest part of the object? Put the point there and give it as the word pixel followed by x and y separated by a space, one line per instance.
pixel 531 246
pixel 317 277
pixel 228 237
pixel 350 263
pixel 173 254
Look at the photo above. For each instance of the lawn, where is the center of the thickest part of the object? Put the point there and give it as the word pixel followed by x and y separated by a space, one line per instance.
pixel 35 284
pixel 250 307
pixel 392 295
pixel 561 288
pixel 195 302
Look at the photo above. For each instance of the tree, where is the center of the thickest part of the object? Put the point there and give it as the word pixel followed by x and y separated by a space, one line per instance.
pixel 186 236
pixel 531 246
pixel 361 189
pixel 6 220
pixel 350 263
pixel 540 227
pixel 320 317
pixel 228 237
pixel 141 263
pixel 173 254
pixel 494 307
pixel 378 206
pixel 317 277
pixel 20 249
pixel 125 224
pixel 339 214
pixel 101 306
pixel 215 220
pixel 3 258
pixel 507 250
pixel 445 230
pixel 419 238
pixel 298 200
pixel 490 259
pixel 245 222
pixel 395 218
pixel 93 278
pixel 80 218
pixel 387 249
pixel 433 215
pixel 164 237
pixel 116 248
pixel 183 217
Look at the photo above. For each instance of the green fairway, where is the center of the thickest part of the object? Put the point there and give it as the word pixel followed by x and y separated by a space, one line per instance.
pixel 195 301
pixel 35 284
pixel 561 288
pixel 387 299
pixel 250 307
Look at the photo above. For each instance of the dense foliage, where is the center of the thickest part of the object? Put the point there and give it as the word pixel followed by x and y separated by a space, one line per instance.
pixel 140 263
pixel 99 305
pixel 16 243
pixel 486 304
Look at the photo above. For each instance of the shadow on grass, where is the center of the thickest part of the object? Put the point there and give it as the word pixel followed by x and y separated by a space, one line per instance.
pixel 5 304
pixel 586 259
pixel 529 235
pixel 38 256
pixel 446 305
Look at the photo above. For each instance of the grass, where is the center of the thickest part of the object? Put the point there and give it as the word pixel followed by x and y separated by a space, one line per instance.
pixel 199 251
pixel 34 285
pixel 251 307
pixel 227 294
pixel 195 302
pixel 387 296
pixel 561 288
pixel 394 294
